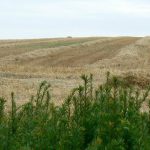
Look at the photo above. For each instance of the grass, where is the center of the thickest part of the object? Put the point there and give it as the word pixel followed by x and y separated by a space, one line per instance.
pixel 20 47
pixel 53 44
pixel 105 118
pixel 96 55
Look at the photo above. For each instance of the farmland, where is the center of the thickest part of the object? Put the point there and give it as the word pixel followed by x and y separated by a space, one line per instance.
pixel 75 93
pixel 61 61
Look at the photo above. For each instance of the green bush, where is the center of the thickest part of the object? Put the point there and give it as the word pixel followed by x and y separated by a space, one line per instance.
pixel 108 118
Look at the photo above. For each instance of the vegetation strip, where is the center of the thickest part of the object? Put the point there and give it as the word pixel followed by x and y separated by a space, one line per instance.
pixel 107 118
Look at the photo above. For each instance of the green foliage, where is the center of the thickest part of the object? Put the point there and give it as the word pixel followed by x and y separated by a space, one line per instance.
pixel 108 118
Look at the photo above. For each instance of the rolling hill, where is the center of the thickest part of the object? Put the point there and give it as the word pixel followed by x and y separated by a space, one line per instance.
pixel 25 63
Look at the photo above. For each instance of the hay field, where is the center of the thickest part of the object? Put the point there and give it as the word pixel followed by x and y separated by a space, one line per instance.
pixel 25 63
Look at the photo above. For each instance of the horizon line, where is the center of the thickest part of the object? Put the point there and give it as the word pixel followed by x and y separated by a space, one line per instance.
pixel 69 36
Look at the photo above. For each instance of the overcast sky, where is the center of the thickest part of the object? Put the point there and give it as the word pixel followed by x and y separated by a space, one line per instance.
pixel 60 18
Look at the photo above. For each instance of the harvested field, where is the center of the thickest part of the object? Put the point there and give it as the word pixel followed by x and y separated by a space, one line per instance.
pixel 25 63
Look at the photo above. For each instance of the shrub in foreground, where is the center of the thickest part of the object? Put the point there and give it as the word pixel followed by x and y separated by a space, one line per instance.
pixel 108 118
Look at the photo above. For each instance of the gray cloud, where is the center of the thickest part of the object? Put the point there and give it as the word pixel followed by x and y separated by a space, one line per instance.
pixel 52 18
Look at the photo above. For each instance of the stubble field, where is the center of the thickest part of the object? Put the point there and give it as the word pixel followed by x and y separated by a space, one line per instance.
pixel 25 63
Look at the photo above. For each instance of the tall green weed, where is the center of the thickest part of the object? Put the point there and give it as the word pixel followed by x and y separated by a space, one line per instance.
pixel 106 118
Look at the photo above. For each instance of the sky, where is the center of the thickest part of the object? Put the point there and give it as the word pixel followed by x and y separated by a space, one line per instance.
pixel 21 19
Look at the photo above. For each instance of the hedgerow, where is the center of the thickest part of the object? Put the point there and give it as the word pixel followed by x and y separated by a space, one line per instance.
pixel 106 118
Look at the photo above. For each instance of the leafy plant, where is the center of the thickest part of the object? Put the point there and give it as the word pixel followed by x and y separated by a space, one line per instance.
pixel 108 118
